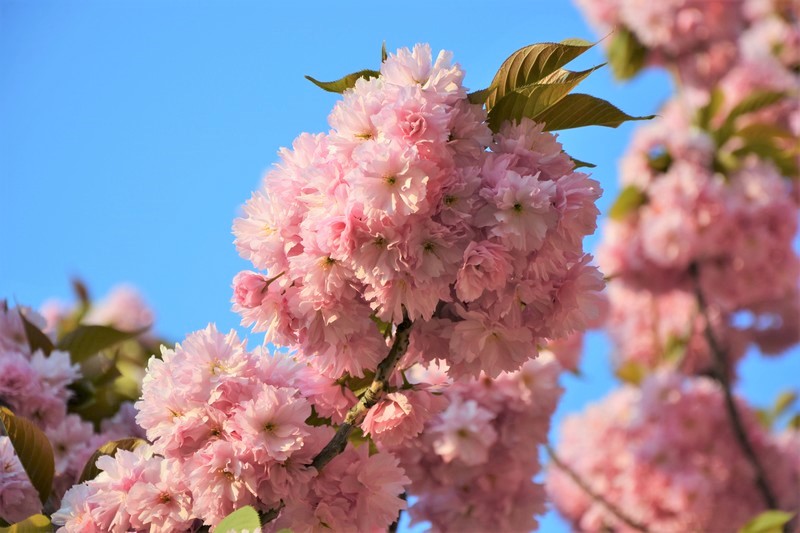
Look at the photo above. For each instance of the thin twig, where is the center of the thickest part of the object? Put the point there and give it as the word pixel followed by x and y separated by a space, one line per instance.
pixel 723 377
pixel 616 511
pixel 356 414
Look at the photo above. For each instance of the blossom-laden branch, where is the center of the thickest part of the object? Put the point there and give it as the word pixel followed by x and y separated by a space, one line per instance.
pixel 356 414
pixel 616 511
pixel 722 375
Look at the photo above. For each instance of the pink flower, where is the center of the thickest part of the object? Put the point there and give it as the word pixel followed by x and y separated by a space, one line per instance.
pixel 271 426
pixel 401 416
pixel 464 433
pixel 487 266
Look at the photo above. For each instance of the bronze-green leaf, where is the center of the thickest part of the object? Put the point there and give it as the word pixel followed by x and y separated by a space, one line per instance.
pixel 628 201
pixel 33 449
pixel 526 102
pixel 243 519
pixel 707 113
pixel 348 82
pixel 90 469
pixel 626 54
pixel 578 110
pixel 532 63
pixel 37 339
pixel 478 97
pixel 37 523
pixel 87 340
pixel 631 372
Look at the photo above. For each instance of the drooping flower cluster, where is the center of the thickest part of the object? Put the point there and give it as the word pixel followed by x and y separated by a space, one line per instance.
pixel 667 455
pixel 734 228
pixel 473 466
pixel 400 207
pixel 228 428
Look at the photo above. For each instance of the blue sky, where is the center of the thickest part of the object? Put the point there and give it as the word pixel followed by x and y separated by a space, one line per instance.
pixel 132 131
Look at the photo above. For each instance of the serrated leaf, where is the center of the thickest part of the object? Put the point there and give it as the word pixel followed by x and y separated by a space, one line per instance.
pixel 532 63
pixel 242 519
pixel 629 200
pixel 478 97
pixel 566 76
pixel 37 339
pixel 767 522
pixel 631 372
pixel 342 84
pixel 87 340
pixel 531 100
pixel 578 110
pixel 37 523
pixel 90 469
pixel 33 449
pixel 526 102
pixel 626 54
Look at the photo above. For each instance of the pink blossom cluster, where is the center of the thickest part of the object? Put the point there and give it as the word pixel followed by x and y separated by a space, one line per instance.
pixel 698 37
pixel 400 207
pixel 32 384
pixel 472 468
pixel 735 228
pixel 667 456
pixel 228 427
pixel 36 386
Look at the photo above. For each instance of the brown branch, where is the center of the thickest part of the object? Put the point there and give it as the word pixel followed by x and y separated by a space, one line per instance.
pixel 356 414
pixel 616 511
pixel 723 377
pixel 372 396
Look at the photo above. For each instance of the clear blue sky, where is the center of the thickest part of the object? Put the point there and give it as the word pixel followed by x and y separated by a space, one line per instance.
pixel 132 131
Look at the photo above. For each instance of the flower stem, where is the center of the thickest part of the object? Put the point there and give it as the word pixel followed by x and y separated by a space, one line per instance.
pixel 616 511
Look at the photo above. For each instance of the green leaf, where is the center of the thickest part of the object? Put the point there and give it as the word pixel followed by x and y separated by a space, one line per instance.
pixel 348 82
pixel 526 102
pixel 532 63
pixel 37 339
pixel 674 349
pixel 315 420
pixel 90 470
pixel 706 113
pixel 566 76
pixel 794 422
pixel 478 97
pixel 243 519
pixel 784 402
pixel 767 148
pixel 626 54
pixel 755 101
pixel 582 164
pixel 631 372
pixel 384 55
pixel 660 162
pixel 33 449
pixel 531 100
pixel 385 328
pixel 629 200
pixel 578 110
pixel 767 522
pixel 86 341
pixel 37 523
